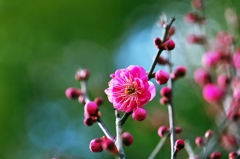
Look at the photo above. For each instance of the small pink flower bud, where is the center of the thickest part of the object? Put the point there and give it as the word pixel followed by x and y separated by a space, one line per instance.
pixel 200 141
pixel 178 130
pixel 192 18
pixel 91 108
pixel 109 145
pixel 161 77
pixel 73 93
pixel 179 72
pixel 127 139
pixel 197 4
pixel 196 39
pixel 228 141
pixel 166 92
pixel 202 77
pixel 236 94
pixel 158 42
pixel 98 101
pixel 210 59
pixel 179 144
pixel 164 100
pixel 236 59
pixel 163 130
pixel 96 145
pixel 233 155
pixel 81 99
pixel 162 60
pixel 139 114
pixel 171 31
pixel 82 74
pixel 88 121
pixel 223 80
pixel 215 155
pixel 212 93
pixel 168 45
pixel 209 134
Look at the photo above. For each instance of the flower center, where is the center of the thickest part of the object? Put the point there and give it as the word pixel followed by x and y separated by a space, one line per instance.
pixel 130 90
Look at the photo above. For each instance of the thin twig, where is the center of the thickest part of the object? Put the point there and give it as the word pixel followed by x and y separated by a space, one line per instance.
pixel 100 122
pixel 160 50
pixel 158 147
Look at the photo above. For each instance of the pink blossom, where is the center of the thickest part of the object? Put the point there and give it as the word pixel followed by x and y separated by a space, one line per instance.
pixel 236 60
pixel 210 59
pixel 129 89
pixel 212 93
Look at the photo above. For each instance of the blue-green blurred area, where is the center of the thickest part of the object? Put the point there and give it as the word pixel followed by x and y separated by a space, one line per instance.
pixel 43 43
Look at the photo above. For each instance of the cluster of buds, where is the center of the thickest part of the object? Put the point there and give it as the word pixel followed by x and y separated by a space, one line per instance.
pixel 167 45
pixel 104 143
pixel 165 130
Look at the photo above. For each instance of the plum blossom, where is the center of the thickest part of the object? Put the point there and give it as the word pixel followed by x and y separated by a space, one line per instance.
pixel 130 89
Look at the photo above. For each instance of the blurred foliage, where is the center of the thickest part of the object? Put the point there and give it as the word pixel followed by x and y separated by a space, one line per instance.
pixel 42 43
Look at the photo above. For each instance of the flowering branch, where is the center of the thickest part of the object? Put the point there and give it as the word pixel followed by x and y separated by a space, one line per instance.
pixel 83 84
pixel 160 49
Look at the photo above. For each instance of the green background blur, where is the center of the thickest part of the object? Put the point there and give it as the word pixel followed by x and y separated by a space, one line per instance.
pixel 43 42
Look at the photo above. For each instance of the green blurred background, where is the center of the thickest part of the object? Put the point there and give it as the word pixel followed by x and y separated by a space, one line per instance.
pixel 42 43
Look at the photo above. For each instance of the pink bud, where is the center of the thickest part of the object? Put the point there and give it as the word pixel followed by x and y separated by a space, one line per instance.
pixel 168 45
pixel 223 80
pixel 202 77
pixel 196 39
pixel 161 77
pixel 81 99
pixel 127 139
pixel 91 108
pixel 96 145
pixel 98 101
pixel 109 145
pixel 229 141
pixel 212 93
pixel 179 72
pixel 179 144
pixel 139 114
pixel 200 141
pixel 88 121
pixel 164 100
pixel 215 155
pixel 171 31
pixel 209 134
pixel 166 92
pixel 197 4
pixel 193 17
pixel 163 130
pixel 158 42
pixel 233 155
pixel 236 94
pixel 236 59
pixel 82 74
pixel 73 93
pixel 178 130
pixel 210 59
pixel 162 61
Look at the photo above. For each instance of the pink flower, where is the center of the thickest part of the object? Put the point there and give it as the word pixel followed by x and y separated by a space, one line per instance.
pixel 210 59
pixel 130 89
pixel 212 93
pixel 236 60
